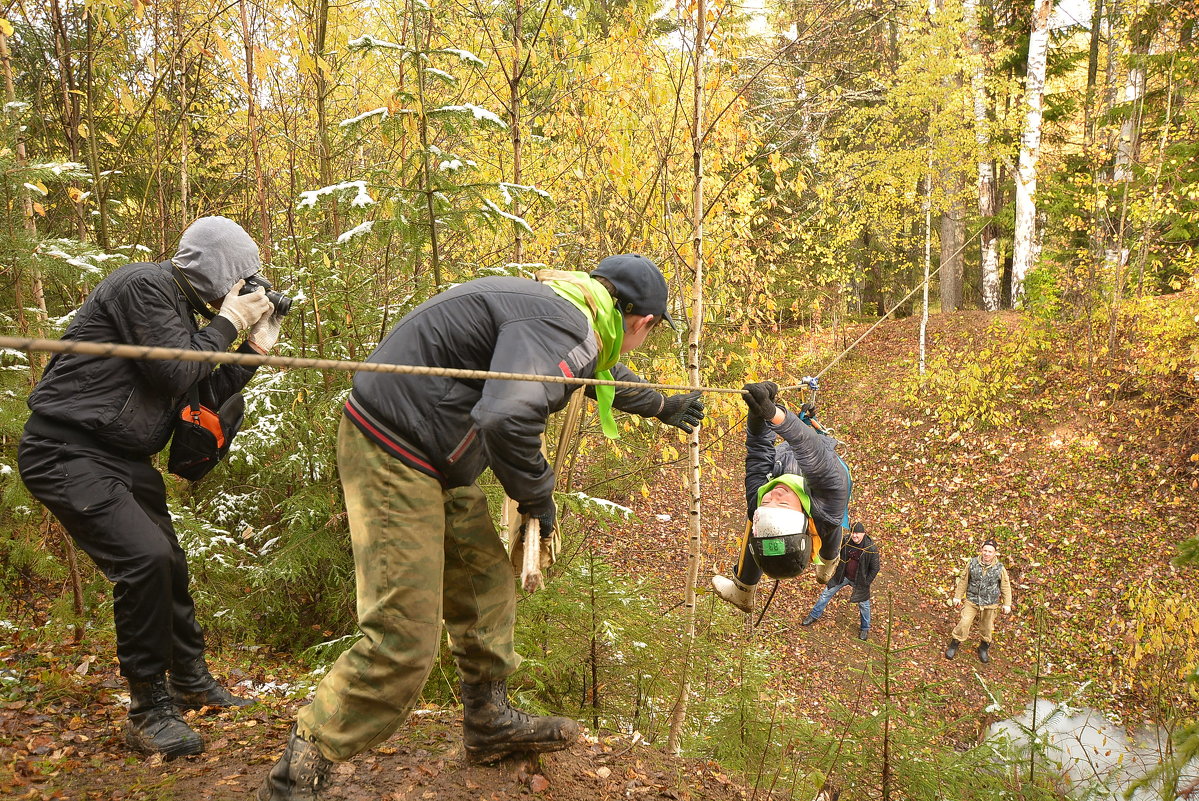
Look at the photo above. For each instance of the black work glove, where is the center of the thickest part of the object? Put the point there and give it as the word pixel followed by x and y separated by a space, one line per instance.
pixel 682 411
pixel 759 398
pixel 548 518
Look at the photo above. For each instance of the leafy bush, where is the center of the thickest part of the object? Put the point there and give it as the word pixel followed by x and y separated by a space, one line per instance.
pixel 991 385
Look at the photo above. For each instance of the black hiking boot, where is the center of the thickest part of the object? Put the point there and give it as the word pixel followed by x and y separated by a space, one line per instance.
pixel 493 729
pixel 863 634
pixel 809 620
pixel 952 650
pixel 192 687
pixel 155 726
pixel 299 775
pixel 984 652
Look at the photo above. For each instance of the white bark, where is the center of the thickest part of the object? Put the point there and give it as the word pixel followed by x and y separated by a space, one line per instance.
pixel 989 243
pixel 678 717
pixel 1024 252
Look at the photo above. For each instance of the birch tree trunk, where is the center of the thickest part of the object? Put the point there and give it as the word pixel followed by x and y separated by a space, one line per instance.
pixel 679 713
pixel 1115 256
pixel 989 240
pixel 1024 251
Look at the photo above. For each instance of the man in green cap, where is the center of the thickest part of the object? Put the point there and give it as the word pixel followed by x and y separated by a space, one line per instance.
pixel 409 451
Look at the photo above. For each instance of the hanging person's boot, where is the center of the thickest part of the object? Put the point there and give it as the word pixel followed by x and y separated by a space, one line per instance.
pixel 952 650
pixel 734 591
pixel 154 724
pixel 984 652
pixel 299 775
pixel 492 728
pixel 192 687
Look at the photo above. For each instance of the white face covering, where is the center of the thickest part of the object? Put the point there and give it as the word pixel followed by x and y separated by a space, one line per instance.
pixel 773 521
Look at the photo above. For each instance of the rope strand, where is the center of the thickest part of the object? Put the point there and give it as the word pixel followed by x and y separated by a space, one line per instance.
pixel 144 352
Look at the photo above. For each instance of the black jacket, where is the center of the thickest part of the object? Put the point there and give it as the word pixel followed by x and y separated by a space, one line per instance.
pixel 868 567
pixel 453 428
pixel 803 452
pixel 129 405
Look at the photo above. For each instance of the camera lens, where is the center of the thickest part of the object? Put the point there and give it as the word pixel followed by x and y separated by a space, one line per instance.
pixel 282 302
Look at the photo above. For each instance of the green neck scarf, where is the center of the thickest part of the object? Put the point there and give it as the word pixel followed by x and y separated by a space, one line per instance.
pixel 590 297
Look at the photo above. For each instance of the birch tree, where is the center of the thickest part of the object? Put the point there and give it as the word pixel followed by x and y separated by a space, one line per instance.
pixel 989 238
pixel 679 714
pixel 1024 254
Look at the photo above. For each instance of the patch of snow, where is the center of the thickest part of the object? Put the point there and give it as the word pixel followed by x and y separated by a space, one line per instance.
pixel 368 42
pixel 463 55
pixel 478 112
pixel 355 231
pixel 362 198
pixel 497 210
pixel 382 113
pixel 442 74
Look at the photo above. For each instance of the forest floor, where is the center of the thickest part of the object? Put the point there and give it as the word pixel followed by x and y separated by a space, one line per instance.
pixel 927 493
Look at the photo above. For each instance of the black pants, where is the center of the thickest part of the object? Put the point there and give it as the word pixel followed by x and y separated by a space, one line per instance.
pixel 116 511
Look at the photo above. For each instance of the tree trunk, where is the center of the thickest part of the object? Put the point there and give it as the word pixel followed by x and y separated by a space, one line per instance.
pixel 38 329
pixel 953 239
pixel 324 155
pixel 255 135
pixel 679 713
pixel 72 119
pixel 426 162
pixel 518 247
pixel 1024 251
pixel 989 239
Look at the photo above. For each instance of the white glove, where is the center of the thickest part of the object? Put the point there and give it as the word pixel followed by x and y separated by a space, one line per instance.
pixel 265 333
pixel 1007 610
pixel 957 601
pixel 245 310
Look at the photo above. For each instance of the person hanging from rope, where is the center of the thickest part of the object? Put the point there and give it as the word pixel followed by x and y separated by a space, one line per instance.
pixel 796 494
pixel 87 448
pixel 409 451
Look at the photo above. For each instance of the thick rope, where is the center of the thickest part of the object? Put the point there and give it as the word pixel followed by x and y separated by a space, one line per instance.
pixel 144 352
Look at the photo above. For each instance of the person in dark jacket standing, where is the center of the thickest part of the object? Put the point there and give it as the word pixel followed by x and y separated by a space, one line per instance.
pixel 793 490
pixel 87 446
pixel 410 449
pixel 858 567
pixel 985 587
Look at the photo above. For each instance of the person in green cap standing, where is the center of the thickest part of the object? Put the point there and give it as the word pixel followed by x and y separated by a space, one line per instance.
pixel 426 550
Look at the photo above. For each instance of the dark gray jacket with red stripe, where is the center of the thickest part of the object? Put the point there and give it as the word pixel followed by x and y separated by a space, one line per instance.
pixel 453 428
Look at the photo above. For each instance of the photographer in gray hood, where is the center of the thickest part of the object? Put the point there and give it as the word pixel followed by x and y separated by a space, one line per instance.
pixel 96 424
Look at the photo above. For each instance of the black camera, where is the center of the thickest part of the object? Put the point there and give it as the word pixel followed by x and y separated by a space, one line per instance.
pixel 281 302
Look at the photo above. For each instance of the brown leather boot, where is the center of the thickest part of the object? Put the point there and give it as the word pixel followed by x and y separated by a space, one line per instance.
pixel 493 729
pixel 155 726
pixel 192 687
pixel 299 775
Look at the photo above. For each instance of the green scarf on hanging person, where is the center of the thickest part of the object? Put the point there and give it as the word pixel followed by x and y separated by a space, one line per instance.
pixel 592 298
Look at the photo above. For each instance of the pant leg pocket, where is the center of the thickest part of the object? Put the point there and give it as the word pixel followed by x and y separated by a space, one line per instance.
pixel 89 486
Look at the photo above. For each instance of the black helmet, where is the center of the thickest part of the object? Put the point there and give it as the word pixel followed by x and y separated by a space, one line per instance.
pixel 780 542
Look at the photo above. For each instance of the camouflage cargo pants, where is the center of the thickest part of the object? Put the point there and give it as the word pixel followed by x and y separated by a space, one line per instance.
pixel 421 555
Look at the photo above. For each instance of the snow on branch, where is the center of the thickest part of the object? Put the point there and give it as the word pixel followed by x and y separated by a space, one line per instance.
pixel 479 113
pixel 368 42
pixel 441 74
pixel 463 55
pixel 382 113
pixel 497 210
pixel 357 230
pixel 362 198
pixel 507 189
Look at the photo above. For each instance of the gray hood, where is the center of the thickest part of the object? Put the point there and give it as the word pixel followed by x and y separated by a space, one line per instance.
pixel 214 254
